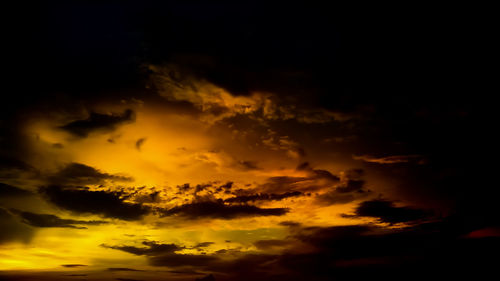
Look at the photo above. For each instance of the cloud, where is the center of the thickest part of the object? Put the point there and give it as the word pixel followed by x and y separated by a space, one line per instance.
pixel 12 168
pixel 12 230
pixel 139 143
pixel 81 174
pixel 219 210
pixel 47 220
pixel 248 165
pixel 217 103
pixel 82 200
pixel 152 249
pixel 203 245
pixel 349 189
pixel 291 224
pixel 7 190
pixel 394 159
pixel 122 269
pixel 209 277
pixel 385 211
pixel 176 260
pixel 313 180
pixel 164 254
pixel 345 252
pixel 262 197
pixel 98 122
pixel 73 265
pixel 351 186
pixel 271 244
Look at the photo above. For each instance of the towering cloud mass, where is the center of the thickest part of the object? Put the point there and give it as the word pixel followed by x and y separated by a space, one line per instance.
pixel 174 140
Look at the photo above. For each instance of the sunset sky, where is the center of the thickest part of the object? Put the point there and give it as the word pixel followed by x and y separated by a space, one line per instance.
pixel 245 141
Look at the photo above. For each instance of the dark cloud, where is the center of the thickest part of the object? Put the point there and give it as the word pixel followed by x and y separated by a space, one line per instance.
pixel 314 180
pixel 393 159
pixel 343 252
pixel 153 197
pixel 139 143
pixel 7 162
pixel 317 173
pixel 81 174
pixel 219 210
pixel 351 186
pixel 181 260
pixel 47 220
pixel 12 168
pixel 122 269
pixel 209 277
pixel 164 254
pixel 363 251
pixel 98 122
pixel 347 191
pixel 82 200
pixel 334 198
pixel 203 245
pixel 7 190
pixel 387 212
pixel 271 244
pixel 72 265
pixel 262 197
pixel 152 249
pixel 248 165
pixel 13 230
pixel 417 85
pixel 227 186
pixel 290 223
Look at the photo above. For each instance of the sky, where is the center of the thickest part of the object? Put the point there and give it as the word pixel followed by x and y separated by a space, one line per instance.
pixel 183 140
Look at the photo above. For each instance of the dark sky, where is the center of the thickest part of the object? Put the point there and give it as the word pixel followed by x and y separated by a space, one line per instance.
pixel 323 141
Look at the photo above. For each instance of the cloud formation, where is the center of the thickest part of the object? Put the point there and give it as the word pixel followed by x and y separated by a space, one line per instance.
pixel 262 197
pixel 82 200
pixel 393 159
pixel 386 211
pixel 13 230
pixel 7 190
pixel 219 210
pixel 96 122
pixel 81 174
pixel 48 220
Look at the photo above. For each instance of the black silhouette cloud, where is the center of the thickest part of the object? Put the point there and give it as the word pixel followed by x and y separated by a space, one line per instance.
pixel 98 122
pixel 348 191
pixel 152 249
pixel 7 190
pixel 139 143
pixel 386 211
pixel 219 210
pixel 13 230
pixel 82 200
pixel 262 197
pixel 73 265
pixel 81 174
pixel 48 220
